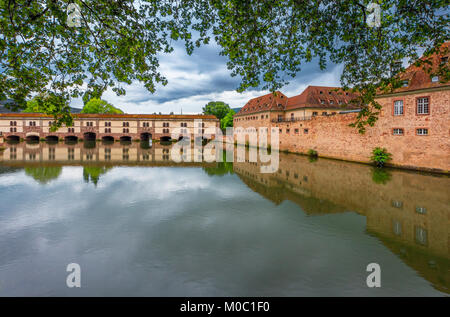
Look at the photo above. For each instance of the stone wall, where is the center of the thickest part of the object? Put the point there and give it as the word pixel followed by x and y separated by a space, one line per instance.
pixel 331 136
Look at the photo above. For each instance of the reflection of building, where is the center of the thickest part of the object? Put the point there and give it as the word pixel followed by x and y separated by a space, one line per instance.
pixel 409 213
pixel 412 125
pixel 107 126
pixel 107 153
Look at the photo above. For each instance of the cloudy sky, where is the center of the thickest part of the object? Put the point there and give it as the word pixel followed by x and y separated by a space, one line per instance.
pixel 202 77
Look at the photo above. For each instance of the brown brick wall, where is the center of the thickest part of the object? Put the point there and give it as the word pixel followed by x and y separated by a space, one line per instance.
pixel 331 136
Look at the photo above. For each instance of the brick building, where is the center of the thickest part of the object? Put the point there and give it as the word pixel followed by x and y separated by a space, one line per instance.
pixel 105 126
pixel 413 124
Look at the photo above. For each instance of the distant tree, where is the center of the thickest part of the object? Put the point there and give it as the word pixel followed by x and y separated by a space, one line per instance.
pixel 96 105
pixel 52 104
pixel 227 121
pixel 216 108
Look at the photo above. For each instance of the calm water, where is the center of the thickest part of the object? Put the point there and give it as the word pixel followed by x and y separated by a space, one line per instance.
pixel 139 224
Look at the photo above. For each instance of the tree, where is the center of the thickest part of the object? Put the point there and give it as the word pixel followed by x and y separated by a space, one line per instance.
pixel 266 43
pixel 227 121
pixel 216 108
pixel 96 105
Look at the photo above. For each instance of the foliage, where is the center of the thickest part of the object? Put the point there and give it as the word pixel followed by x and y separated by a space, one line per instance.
pixel 381 176
pixel 266 43
pixel 380 156
pixel 217 108
pixel 43 174
pixel 53 105
pixel 227 121
pixel 312 153
pixel 96 105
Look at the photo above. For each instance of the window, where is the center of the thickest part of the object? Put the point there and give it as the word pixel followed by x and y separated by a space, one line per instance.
pixel 324 113
pixel 165 130
pixel 107 130
pixel 398 107
pixel 405 83
pixel 166 124
pixel 32 123
pixel 287 130
pixel 125 124
pixel 292 116
pixel 321 92
pixel 422 131
pixel 126 130
pixel 397 131
pixel 315 113
pixel 13 123
pixel 184 124
pixel 421 210
pixel 305 131
pixel 13 129
pixel 322 101
pixel 423 105
pixel 341 102
pixel 434 79
pixel 107 124
pixel 296 131
pixel 331 102
pixel 281 130
pixel 444 60
pixel 280 117
pixel 71 130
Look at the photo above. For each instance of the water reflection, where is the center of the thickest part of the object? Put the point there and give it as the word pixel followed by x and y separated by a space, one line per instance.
pixel 220 217
pixel 409 212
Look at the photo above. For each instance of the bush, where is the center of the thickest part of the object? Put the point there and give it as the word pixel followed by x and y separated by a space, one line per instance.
pixel 380 156
pixel 312 153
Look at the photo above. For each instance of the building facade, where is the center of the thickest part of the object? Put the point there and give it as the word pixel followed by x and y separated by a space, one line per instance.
pixel 413 124
pixel 106 126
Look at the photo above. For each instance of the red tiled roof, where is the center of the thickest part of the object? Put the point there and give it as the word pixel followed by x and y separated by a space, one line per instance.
pixel 321 97
pixel 272 101
pixel 419 78
pixel 113 116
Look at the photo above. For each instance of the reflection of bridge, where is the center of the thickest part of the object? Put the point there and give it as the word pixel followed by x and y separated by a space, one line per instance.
pixel 104 153
pixel 124 127
pixel 408 212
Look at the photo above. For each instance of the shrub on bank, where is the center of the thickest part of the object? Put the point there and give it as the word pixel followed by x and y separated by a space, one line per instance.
pixel 312 153
pixel 380 156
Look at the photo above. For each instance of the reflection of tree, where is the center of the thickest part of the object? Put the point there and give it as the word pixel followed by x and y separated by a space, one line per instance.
pixel 380 176
pixel 92 173
pixel 222 168
pixel 43 174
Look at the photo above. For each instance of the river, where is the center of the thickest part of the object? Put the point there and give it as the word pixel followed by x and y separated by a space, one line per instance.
pixel 139 224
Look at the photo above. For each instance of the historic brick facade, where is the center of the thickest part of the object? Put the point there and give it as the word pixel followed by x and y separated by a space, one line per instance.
pixel 416 132
pixel 98 126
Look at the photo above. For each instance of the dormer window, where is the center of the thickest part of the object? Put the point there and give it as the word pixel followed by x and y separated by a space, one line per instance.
pixel 329 92
pixel 444 60
pixel 346 93
pixel 435 79
pixel 322 101
pixel 341 102
pixel 331 102
pixel 321 92
pixel 405 83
